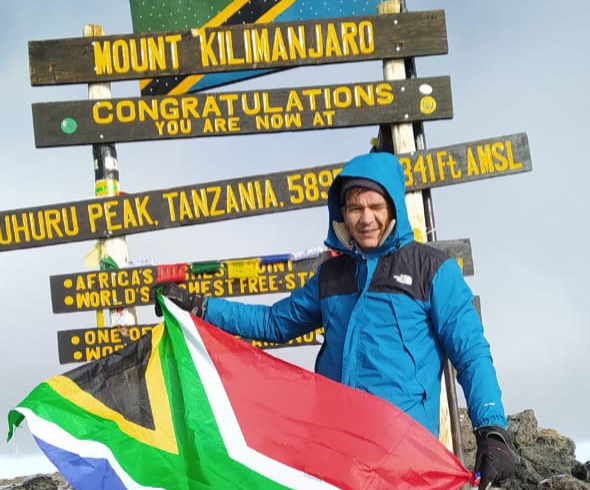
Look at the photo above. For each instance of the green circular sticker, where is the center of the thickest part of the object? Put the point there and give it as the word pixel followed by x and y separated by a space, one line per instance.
pixel 69 125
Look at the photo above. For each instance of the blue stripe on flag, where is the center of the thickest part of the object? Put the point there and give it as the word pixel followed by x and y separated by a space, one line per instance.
pixel 82 472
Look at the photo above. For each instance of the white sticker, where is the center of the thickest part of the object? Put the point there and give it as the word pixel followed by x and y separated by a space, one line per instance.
pixel 425 89
pixel 111 163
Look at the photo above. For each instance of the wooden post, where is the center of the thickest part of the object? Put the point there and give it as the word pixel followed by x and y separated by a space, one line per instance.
pixel 106 178
pixel 404 140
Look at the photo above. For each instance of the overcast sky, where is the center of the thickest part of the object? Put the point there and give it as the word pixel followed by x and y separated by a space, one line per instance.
pixel 514 67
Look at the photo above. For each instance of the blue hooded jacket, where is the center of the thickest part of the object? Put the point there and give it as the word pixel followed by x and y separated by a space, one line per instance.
pixel 389 315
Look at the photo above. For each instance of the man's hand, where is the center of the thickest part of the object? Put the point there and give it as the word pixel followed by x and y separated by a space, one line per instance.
pixel 496 457
pixel 195 303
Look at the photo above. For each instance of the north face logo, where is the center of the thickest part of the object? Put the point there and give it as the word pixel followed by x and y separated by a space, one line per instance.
pixel 403 279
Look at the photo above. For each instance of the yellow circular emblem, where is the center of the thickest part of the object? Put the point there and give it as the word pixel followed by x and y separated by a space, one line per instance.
pixel 427 104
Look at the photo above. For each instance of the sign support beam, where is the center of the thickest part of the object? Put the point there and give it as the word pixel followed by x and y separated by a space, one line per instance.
pixel 106 178
pixel 404 141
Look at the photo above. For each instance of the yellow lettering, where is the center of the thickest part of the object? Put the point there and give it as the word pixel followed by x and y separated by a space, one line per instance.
pixel 296 43
pixel 216 195
pixel 247 45
pixel 342 97
pixel 333 47
pixel 169 196
pixel 279 50
pixel 246 108
pixel 294 101
pixel 247 197
pixel 221 42
pixel 260 45
pixel 80 283
pixel 128 215
pixel 138 57
pixel 349 32
pixel 96 114
pixel 200 203
pixel 484 154
pixel 229 99
pixel 169 108
pixel 95 211
pixel 208 126
pixel 210 106
pixel 102 57
pixel 472 168
pixel 232 201
pixel 268 108
pixel 312 93
pixel 270 198
pixel 157 53
pixel 319 48
pixel 173 40
pixel 512 163
pixel 362 95
pixel 500 161
pixel 184 206
pixel 121 62
pixel 384 93
pixel 125 111
pixel 206 45
pixel 367 37
pixel 142 213
pixel 111 214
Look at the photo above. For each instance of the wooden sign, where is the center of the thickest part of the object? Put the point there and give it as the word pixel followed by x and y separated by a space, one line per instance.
pixel 96 290
pixel 172 15
pixel 239 47
pixel 248 112
pixel 248 196
pixel 89 344
pixel 119 288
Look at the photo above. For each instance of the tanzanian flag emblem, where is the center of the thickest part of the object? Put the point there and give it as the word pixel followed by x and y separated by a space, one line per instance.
pixel 175 15
pixel 191 407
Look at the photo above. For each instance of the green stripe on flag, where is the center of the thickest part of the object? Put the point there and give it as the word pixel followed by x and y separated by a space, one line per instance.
pixel 202 459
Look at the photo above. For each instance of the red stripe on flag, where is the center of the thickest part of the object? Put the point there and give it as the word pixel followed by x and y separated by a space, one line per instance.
pixel 344 436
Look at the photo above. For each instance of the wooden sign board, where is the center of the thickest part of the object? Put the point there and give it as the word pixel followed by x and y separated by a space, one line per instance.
pixel 239 47
pixel 248 196
pixel 241 112
pixel 89 344
pixel 96 290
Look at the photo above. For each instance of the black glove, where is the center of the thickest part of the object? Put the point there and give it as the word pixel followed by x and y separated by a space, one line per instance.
pixel 496 456
pixel 195 303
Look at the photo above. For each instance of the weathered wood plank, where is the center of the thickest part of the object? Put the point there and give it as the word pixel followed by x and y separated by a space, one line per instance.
pixel 233 113
pixel 247 196
pixel 89 344
pixel 126 287
pixel 239 47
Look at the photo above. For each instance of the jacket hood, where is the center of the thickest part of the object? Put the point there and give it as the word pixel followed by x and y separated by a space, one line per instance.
pixel 386 170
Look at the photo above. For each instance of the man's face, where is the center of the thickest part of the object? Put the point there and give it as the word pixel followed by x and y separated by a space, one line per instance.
pixel 366 215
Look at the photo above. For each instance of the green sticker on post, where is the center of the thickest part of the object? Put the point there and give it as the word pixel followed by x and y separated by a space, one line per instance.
pixel 69 125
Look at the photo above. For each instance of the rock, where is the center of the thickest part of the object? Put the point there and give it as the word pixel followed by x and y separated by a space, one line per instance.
pixel 546 458
pixel 36 482
pixel 582 471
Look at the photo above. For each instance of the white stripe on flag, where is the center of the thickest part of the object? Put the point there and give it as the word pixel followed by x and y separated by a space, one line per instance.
pixel 226 418
pixel 53 434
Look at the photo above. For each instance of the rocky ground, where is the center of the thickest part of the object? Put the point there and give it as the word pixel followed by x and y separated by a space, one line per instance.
pixel 547 460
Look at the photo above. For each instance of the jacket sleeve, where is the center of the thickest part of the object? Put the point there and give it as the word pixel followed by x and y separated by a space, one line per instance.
pixel 461 334
pixel 284 320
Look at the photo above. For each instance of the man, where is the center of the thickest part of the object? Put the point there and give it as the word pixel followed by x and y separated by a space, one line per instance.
pixel 390 307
